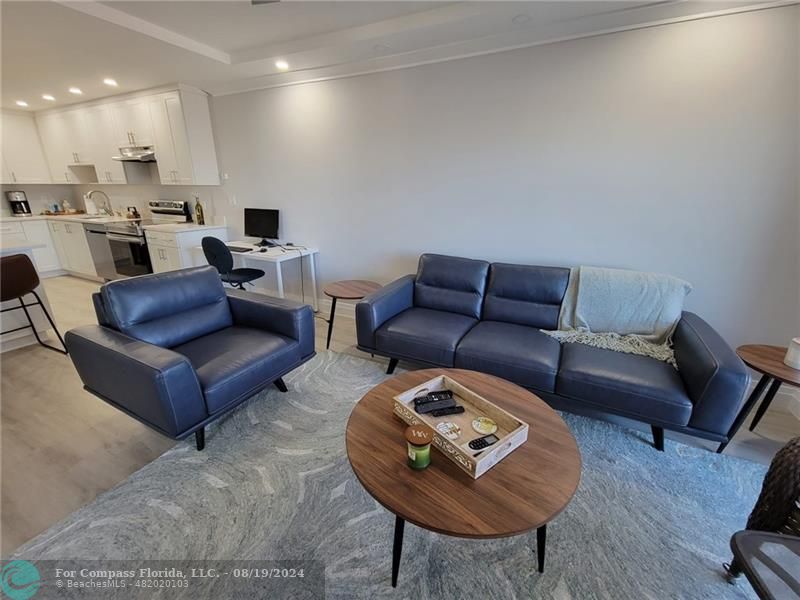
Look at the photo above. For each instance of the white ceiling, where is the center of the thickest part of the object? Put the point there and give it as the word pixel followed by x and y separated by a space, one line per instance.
pixel 226 46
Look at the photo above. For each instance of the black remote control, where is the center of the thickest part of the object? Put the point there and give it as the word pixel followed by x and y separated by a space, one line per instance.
pixel 443 412
pixel 484 442
pixel 433 397
pixel 428 407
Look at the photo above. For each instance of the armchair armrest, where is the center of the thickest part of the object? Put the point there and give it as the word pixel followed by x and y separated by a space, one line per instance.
pixel 285 317
pixel 380 306
pixel 153 384
pixel 715 378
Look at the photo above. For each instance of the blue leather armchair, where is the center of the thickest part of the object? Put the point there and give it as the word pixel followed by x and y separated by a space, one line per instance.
pixel 177 350
pixel 470 314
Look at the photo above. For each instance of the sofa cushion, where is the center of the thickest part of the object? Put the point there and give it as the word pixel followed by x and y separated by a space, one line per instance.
pixel 423 334
pixel 525 295
pixel 523 355
pixel 637 386
pixel 236 362
pixel 451 284
pixel 167 309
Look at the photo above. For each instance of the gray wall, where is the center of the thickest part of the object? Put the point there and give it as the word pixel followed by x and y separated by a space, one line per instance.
pixel 671 149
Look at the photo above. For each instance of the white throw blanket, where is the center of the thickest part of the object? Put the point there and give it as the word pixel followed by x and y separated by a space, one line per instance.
pixel 625 311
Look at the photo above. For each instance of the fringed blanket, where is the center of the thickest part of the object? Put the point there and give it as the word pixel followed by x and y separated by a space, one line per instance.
pixel 625 311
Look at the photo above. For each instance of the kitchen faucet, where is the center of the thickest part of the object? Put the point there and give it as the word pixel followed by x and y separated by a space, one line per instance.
pixel 106 202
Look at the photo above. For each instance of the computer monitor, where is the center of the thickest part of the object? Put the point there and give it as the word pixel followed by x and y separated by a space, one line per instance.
pixel 262 223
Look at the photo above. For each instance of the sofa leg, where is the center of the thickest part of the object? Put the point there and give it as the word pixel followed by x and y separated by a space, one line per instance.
pixel 280 385
pixel 200 438
pixel 392 365
pixel 658 437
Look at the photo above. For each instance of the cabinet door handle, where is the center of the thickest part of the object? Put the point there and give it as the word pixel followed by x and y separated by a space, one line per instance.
pixel 133 138
pixel 66 176
pixel 14 177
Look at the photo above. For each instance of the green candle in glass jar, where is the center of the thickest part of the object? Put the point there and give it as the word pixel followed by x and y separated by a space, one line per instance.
pixel 419 446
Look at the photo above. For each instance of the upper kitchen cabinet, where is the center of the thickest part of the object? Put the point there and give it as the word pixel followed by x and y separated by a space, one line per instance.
pixel 66 143
pixel 184 142
pixel 23 159
pixel 104 142
pixel 134 126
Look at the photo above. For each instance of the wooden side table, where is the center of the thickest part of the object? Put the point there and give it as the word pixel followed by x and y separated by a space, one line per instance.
pixel 351 289
pixel 767 360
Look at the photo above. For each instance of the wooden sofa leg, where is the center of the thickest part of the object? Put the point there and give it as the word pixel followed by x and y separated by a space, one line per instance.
pixel 200 438
pixel 658 437
pixel 392 365
pixel 280 385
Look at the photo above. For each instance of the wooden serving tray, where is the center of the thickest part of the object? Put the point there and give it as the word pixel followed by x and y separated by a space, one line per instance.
pixel 511 431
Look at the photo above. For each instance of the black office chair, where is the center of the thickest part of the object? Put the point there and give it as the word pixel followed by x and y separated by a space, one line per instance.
pixel 219 256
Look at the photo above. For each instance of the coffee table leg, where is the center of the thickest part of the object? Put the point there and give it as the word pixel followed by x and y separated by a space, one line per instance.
pixel 541 541
pixel 397 549
pixel 748 406
pixel 330 323
pixel 773 389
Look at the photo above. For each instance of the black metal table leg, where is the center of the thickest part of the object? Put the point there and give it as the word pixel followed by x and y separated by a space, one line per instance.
pixel 330 323
pixel 773 389
pixel 397 549
pixel 541 541
pixel 748 405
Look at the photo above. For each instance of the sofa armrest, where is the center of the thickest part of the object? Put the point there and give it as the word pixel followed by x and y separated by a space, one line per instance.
pixel 285 317
pixel 380 306
pixel 715 378
pixel 153 384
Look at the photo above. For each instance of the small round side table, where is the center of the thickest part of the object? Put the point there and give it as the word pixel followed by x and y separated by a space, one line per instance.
pixel 351 289
pixel 767 360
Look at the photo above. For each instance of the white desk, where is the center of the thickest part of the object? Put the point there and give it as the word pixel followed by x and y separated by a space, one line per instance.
pixel 276 256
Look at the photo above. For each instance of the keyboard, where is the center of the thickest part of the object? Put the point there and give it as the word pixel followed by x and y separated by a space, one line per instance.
pixel 239 249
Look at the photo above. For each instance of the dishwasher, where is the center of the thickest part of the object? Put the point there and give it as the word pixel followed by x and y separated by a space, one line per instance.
pixel 101 251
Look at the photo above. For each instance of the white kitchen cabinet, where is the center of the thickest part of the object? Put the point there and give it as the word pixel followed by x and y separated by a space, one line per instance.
pixel 73 248
pixel 171 141
pixel 134 126
pixel 164 258
pixel 46 258
pixel 12 231
pixel 103 137
pixel 23 158
pixel 176 250
pixel 65 139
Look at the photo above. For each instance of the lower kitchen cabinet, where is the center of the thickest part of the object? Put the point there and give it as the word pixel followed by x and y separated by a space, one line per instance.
pixel 72 248
pixel 170 251
pixel 35 231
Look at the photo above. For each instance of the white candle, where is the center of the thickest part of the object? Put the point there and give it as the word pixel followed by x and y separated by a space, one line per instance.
pixel 792 358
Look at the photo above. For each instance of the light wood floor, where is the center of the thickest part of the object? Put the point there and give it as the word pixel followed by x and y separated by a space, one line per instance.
pixel 61 446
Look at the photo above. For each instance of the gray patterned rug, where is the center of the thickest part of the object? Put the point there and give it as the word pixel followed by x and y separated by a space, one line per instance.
pixel 274 483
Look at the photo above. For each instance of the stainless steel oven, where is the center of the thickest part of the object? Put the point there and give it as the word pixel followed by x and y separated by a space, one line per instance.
pixel 128 249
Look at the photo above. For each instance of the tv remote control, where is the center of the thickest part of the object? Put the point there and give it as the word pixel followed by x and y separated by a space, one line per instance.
pixel 433 397
pixel 484 442
pixel 429 407
pixel 443 412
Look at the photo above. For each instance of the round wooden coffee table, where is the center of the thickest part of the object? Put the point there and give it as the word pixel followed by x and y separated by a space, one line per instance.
pixel 350 289
pixel 767 360
pixel 524 491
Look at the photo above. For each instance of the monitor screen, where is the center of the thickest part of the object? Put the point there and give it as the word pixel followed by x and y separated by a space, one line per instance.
pixel 261 223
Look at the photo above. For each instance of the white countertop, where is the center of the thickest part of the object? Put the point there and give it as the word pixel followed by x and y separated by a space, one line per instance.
pixel 78 218
pixel 180 227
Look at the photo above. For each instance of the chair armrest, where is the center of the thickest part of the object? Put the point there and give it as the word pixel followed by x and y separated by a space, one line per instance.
pixel 380 306
pixel 285 317
pixel 154 384
pixel 715 378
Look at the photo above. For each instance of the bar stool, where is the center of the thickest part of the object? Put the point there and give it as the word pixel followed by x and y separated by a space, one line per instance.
pixel 18 277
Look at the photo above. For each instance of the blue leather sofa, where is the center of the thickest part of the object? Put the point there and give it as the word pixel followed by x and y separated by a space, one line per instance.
pixel 470 314
pixel 177 350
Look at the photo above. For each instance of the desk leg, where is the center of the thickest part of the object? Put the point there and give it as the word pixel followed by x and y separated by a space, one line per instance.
pixel 541 541
pixel 330 322
pixel 773 389
pixel 312 270
pixel 751 401
pixel 397 549
pixel 279 279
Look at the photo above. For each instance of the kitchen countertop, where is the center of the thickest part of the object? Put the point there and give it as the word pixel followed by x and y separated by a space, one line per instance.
pixel 77 218
pixel 180 227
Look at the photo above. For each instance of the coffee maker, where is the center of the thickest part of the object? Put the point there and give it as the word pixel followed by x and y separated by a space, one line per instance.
pixel 19 204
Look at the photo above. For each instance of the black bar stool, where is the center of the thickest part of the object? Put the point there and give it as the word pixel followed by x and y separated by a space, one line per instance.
pixel 18 277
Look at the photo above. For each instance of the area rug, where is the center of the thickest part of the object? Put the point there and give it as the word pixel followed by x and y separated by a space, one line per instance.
pixel 274 483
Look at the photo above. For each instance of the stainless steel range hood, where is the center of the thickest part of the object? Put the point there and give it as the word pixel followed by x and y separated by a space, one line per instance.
pixel 136 154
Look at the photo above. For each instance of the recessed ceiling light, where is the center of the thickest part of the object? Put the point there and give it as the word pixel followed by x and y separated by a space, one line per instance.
pixel 282 65
pixel 76 91
pixel 21 103
pixel 519 19
pixel 48 97
pixel 111 82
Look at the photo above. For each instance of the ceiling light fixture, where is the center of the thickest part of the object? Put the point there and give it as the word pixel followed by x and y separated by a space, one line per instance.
pixel 282 65
pixel 76 91
pixel 21 103
pixel 48 97
pixel 111 82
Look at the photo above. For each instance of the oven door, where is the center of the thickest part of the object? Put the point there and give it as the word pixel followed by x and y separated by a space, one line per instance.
pixel 130 254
